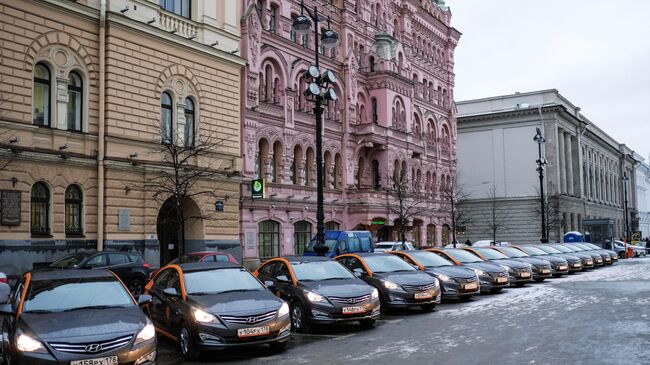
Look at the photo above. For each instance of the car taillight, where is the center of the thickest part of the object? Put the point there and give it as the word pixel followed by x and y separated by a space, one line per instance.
pixel 145 265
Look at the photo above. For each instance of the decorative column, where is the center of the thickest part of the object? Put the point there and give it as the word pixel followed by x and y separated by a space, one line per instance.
pixel 568 148
pixel 562 158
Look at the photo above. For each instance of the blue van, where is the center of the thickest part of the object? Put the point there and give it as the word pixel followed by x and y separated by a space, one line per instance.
pixel 340 242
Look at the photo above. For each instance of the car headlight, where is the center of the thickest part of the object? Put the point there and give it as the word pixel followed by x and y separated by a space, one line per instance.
pixel 390 285
pixel 145 334
pixel 313 297
pixel 480 272
pixel 203 317
pixel 374 294
pixel 25 343
pixel 444 277
pixel 284 310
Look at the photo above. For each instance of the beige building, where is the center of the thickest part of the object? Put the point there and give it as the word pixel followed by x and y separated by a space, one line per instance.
pixel 89 90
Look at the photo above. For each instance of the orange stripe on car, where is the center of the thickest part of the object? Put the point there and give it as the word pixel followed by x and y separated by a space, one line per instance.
pixel 358 258
pixel 180 277
pixel 404 254
pixel 28 278
pixel 469 249
pixel 281 259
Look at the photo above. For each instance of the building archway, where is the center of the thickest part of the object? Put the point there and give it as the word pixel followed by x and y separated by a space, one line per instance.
pixel 170 234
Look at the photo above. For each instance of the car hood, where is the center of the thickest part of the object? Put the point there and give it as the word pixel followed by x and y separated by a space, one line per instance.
pixel 237 302
pixel 406 278
pixel 553 259
pixel 569 257
pixel 510 263
pixel 534 261
pixel 85 324
pixel 453 271
pixel 485 266
pixel 338 287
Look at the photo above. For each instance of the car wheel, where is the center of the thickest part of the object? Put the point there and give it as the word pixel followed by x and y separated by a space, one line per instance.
pixel 136 287
pixel 428 307
pixel 299 317
pixel 186 344
pixel 278 347
pixel 367 323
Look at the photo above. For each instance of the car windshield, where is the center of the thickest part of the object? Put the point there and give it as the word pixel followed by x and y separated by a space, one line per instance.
pixel 563 249
pixel 573 248
pixel 549 249
pixel 78 293
pixel 68 261
pixel 387 263
pixel 320 270
pixel 220 281
pixel 430 259
pixel 532 250
pixel 463 256
pixel 491 254
pixel 584 247
pixel 513 252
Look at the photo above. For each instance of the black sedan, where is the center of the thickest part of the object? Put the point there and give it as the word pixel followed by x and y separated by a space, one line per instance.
pixel 76 317
pixel 541 268
pixel 519 272
pixel 575 263
pixel 320 290
pixel 215 305
pixel 128 266
pixel 587 260
pixel 606 255
pixel 493 278
pixel 559 265
pixel 400 285
pixel 598 258
pixel 611 253
pixel 455 281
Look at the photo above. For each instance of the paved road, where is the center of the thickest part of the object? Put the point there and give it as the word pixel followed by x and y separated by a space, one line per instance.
pixel 598 317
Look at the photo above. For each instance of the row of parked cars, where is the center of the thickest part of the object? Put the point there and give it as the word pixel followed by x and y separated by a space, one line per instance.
pixel 207 301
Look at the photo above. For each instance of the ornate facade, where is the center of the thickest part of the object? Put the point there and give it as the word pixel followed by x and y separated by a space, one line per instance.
pixel 394 116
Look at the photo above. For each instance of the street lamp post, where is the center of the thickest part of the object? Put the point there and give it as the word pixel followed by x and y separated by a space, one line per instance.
pixel 627 226
pixel 320 91
pixel 541 162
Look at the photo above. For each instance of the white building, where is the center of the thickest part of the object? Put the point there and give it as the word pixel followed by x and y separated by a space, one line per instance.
pixel 643 195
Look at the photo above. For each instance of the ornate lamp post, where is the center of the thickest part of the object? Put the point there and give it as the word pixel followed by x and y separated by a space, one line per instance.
pixel 541 162
pixel 320 92
pixel 627 226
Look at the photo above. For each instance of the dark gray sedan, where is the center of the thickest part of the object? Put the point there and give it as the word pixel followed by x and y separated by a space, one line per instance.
pixel 559 265
pixel 575 263
pixel 493 278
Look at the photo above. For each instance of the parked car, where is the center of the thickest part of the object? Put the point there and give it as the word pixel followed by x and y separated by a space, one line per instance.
pixel 607 258
pixel 320 290
pixel 559 265
pixel 400 285
pixel 5 291
pixel 587 260
pixel 519 272
pixel 128 266
pixel 619 247
pixel 598 259
pixel 204 256
pixel 76 317
pixel 611 253
pixel 493 278
pixel 541 268
pixel 575 263
pixel 215 305
pixel 639 250
pixel 393 246
pixel 455 281
pixel 340 242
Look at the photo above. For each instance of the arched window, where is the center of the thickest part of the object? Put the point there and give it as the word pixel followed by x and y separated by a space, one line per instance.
pixel 293 31
pixel 179 7
pixel 272 18
pixel 431 235
pixel 376 177
pixel 301 236
pixel 75 103
pixel 371 63
pixel 296 170
pixel 446 232
pixel 40 209
pixel 373 104
pixel 309 163
pixel 189 122
pixel 332 226
pixel 41 95
pixel 73 210
pixel 269 239
pixel 166 119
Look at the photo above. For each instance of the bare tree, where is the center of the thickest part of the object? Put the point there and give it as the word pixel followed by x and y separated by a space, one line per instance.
pixel 551 211
pixel 497 219
pixel 404 203
pixel 184 165
pixel 455 195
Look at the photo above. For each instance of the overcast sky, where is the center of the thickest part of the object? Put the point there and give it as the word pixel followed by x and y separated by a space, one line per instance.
pixel 595 52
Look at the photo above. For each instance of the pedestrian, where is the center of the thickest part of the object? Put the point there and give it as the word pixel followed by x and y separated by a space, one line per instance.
pixel 468 242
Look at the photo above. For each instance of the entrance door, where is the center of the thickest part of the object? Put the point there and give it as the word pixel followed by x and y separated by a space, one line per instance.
pixel 168 233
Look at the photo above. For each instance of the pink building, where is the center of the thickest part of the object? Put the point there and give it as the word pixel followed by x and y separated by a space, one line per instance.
pixel 395 115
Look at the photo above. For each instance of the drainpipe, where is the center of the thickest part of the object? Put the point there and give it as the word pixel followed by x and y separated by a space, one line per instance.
pixel 102 131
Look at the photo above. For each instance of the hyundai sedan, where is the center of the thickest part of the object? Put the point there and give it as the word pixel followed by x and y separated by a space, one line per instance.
pixel 575 263
pixel 597 258
pixel 519 272
pixel 541 268
pixel 76 317
pixel 607 257
pixel 587 260
pixel 559 265
pixel 400 285
pixel 493 278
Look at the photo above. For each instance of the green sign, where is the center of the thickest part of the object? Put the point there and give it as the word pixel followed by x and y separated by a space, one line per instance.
pixel 378 222
pixel 258 189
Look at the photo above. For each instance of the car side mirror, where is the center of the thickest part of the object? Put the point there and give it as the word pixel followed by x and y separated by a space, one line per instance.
pixel 283 278
pixel 268 283
pixel 171 292
pixel 146 299
pixel 6 309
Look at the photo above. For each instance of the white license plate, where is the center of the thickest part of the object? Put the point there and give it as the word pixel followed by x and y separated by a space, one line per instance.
pixel 353 310
pixel 563 267
pixel 470 286
pixel 111 360
pixel 577 265
pixel 545 271
pixel 424 295
pixel 524 275
pixel 253 331
pixel 502 280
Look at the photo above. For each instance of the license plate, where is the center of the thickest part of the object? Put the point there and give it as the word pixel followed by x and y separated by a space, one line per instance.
pixel 502 280
pixel 590 262
pixel 524 275
pixel 353 310
pixel 424 295
pixel 576 265
pixel 253 331
pixel 111 360
pixel 545 271
pixel 563 267
pixel 470 286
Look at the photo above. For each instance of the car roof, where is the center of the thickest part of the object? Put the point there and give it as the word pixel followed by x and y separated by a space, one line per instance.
pixel 203 266
pixel 206 253
pixel 70 274
pixel 369 254
pixel 300 259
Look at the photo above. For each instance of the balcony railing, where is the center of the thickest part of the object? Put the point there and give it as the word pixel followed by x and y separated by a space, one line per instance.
pixel 177 24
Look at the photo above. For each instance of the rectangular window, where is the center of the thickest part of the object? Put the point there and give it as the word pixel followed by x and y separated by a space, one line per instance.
pixel 178 7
